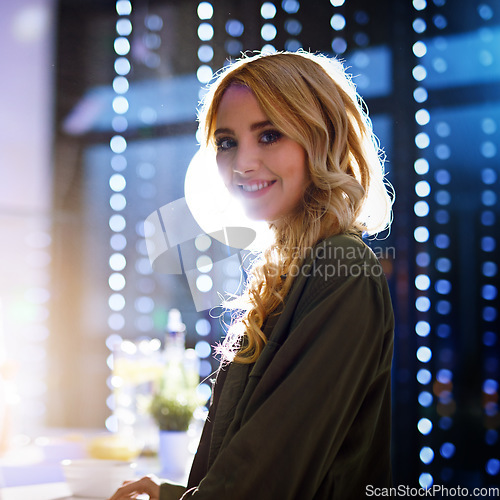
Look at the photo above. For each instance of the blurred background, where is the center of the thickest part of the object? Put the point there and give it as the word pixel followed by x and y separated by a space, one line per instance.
pixel 98 120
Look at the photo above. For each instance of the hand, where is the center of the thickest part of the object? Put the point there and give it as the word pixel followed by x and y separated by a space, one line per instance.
pixel 150 485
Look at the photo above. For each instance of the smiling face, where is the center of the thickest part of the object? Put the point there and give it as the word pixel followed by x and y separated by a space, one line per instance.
pixel 261 167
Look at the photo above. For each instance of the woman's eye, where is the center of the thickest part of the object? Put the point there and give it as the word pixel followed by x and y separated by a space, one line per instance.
pixel 270 136
pixel 225 143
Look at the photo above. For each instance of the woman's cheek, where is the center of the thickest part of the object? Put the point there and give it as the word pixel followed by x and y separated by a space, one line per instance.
pixel 224 172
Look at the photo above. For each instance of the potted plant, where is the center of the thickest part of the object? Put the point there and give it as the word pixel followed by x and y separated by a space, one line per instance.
pixel 172 414
pixel 172 406
pixel 175 398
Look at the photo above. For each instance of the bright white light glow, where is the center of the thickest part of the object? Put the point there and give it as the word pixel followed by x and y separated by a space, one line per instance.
pixel 424 426
pixel 422 117
pixel 116 282
pixel 118 144
pixel 422 328
pixel 122 66
pixel 205 10
pixel 419 49
pixel 425 480
pixel 122 46
pixel 268 10
pixel 120 105
pixel 204 283
pixel 426 455
pixel 204 73
pixel 117 262
pixel 421 234
pixel 205 53
pixel 117 182
pixel 269 49
pixel 422 304
pixel 268 32
pixel 422 188
pixel 117 223
pixel 424 376
pixel 420 94
pixel 422 140
pixel 419 73
pixel 419 25
pixel 205 32
pixel 117 202
pixel 422 282
pixel 120 85
pixel 123 27
pixel 421 208
pixel 424 354
pixel 202 242
pixel 123 7
pixel 204 264
pixel 337 22
pixel 116 302
pixel 419 4
pixel 214 209
pixel 421 167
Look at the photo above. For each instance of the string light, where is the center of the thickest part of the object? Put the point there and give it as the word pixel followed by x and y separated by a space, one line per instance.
pixel 204 73
pixel 117 184
pixel 422 282
pixel 338 23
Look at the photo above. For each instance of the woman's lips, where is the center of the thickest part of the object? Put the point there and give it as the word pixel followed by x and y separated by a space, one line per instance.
pixel 255 189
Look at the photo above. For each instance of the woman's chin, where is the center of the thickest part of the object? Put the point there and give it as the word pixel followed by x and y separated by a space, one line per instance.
pixel 255 217
pixel 256 214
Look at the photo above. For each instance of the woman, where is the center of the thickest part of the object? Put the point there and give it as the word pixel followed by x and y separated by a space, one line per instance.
pixel 301 406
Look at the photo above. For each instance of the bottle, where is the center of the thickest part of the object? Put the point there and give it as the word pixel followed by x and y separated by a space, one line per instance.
pixel 181 374
pixel 175 337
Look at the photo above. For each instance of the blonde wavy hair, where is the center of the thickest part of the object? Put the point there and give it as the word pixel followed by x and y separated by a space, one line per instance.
pixel 309 98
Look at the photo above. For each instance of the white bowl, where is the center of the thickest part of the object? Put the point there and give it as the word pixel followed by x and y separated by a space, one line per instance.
pixel 96 478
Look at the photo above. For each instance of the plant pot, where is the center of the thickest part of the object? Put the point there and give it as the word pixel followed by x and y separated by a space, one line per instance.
pixel 174 454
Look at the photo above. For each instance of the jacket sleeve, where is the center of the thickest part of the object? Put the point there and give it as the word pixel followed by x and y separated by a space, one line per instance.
pixel 171 491
pixel 318 406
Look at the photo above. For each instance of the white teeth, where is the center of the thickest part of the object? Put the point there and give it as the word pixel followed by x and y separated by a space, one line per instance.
pixel 254 187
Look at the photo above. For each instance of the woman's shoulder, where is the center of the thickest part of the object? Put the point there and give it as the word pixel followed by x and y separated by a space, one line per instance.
pixel 338 260
pixel 347 249
pixel 341 268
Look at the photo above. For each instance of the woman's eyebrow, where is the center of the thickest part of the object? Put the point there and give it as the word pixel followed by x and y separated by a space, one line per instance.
pixel 253 127
pixel 259 125
pixel 223 131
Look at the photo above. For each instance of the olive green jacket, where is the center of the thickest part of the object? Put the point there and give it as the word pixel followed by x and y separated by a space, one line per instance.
pixel 311 419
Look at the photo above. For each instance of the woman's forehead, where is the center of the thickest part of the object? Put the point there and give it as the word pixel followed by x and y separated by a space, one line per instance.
pixel 239 103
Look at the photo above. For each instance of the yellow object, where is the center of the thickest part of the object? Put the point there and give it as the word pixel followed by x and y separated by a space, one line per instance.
pixel 136 372
pixel 114 447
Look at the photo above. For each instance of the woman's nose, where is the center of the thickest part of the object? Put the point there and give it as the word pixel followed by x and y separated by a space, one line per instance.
pixel 246 161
